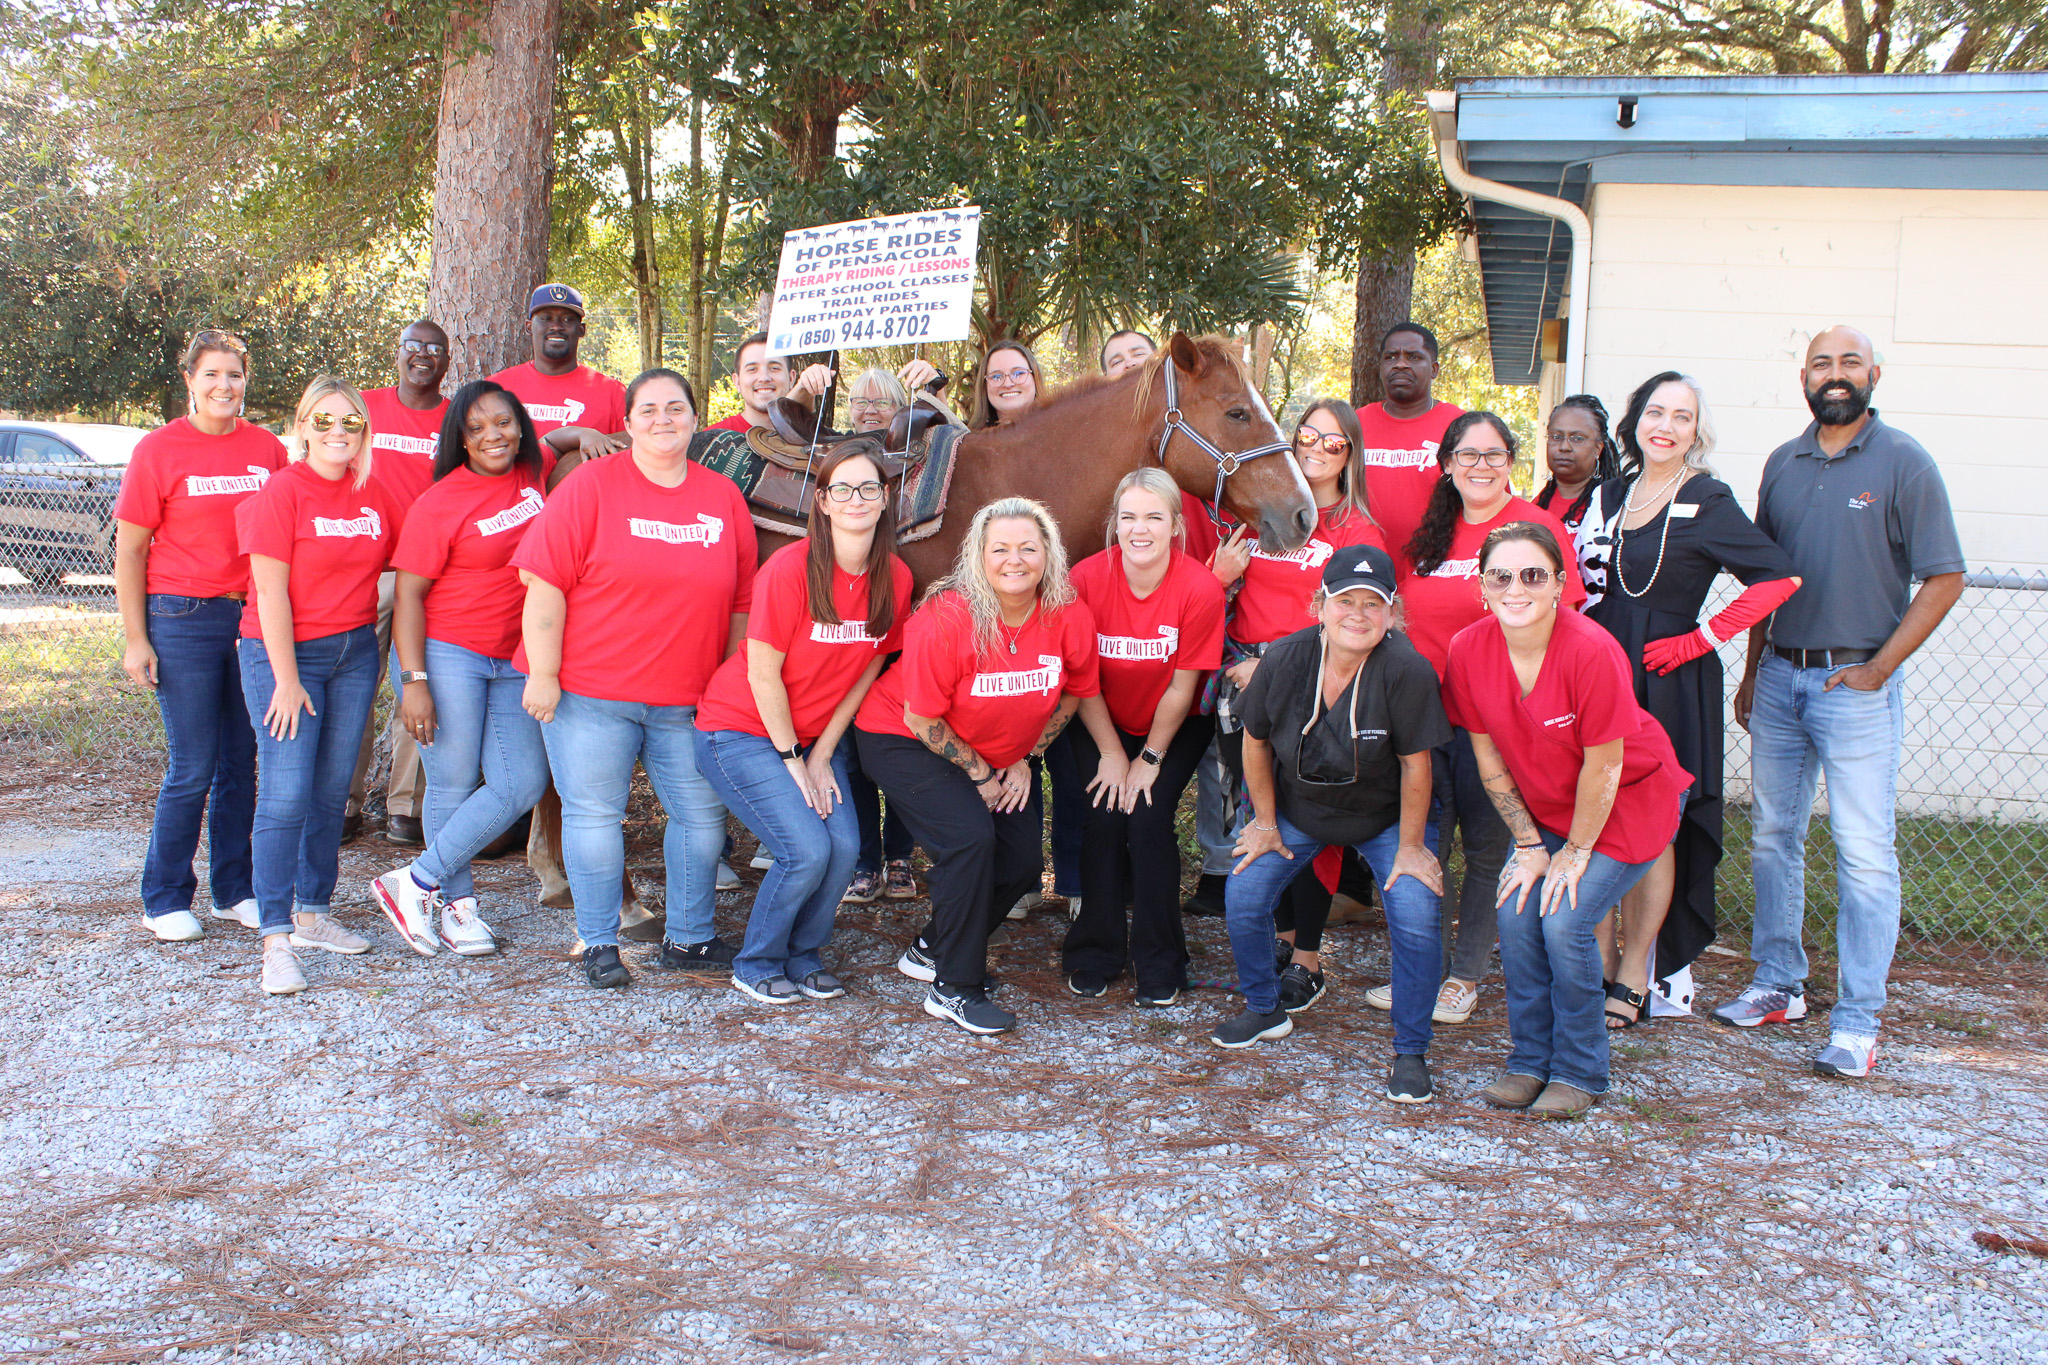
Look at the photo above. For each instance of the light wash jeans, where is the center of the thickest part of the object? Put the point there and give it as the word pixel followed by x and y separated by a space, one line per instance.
pixel 592 745
pixel 814 858
pixel 302 782
pixel 486 766
pixel 1412 911
pixel 1550 965
pixel 1797 731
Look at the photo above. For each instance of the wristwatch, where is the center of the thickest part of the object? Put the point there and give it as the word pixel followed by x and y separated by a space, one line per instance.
pixel 406 675
pixel 1152 756
pixel 795 751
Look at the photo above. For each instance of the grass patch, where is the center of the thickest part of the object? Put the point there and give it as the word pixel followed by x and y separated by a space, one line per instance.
pixel 62 691
pixel 1974 1026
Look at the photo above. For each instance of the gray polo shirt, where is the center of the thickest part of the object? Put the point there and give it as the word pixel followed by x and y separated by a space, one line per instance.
pixel 1860 527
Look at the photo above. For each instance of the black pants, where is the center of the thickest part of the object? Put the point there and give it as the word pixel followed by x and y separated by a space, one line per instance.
pixel 1305 906
pixel 882 835
pixel 980 862
pixel 1136 857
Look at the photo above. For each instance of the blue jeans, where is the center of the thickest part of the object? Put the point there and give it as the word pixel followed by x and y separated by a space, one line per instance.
pixel 1557 1009
pixel 592 745
pixel 212 754
pixel 1461 800
pixel 485 767
pixel 814 858
pixel 1797 731
pixel 1413 911
pixel 304 791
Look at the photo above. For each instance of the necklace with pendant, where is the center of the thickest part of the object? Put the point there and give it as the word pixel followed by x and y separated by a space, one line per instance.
pixel 1010 638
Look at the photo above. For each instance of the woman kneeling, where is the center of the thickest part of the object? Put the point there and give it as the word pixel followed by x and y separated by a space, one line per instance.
pixel 1588 786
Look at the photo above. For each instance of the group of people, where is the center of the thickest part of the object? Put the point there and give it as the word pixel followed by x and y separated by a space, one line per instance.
pixel 562 594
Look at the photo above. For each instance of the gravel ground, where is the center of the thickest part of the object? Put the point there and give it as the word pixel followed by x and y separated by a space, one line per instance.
pixel 486 1161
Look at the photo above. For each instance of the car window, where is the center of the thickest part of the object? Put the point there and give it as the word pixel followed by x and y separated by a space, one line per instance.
pixel 33 447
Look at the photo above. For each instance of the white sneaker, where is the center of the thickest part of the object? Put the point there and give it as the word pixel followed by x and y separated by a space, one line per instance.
pixel 409 908
pixel 1381 997
pixel 243 913
pixel 1455 1001
pixel 1026 903
pixel 1847 1054
pixel 179 926
pixel 464 931
pixel 281 974
pixel 1073 908
pixel 762 861
pixel 321 931
pixel 728 880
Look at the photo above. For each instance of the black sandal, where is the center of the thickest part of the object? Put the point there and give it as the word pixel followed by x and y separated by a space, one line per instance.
pixel 1639 1001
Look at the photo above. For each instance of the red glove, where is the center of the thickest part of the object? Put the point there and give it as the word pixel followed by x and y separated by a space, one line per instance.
pixel 1756 602
pixel 1328 864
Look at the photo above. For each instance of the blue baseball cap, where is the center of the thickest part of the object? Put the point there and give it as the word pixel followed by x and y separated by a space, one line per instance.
pixel 555 296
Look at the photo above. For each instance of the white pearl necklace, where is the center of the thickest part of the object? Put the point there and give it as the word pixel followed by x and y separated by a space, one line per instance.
pixel 1629 506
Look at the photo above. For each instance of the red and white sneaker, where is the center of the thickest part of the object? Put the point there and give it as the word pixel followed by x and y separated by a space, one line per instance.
pixel 409 908
pixel 1847 1054
pixel 1762 1005
pixel 464 931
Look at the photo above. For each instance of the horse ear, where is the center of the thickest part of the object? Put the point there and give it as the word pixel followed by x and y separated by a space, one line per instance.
pixel 1186 354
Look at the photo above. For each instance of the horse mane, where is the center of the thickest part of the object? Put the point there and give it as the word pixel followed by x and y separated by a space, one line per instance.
pixel 1212 345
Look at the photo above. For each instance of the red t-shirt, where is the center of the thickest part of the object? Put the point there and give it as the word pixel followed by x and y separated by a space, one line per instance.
pixel 1401 468
pixel 186 486
pixel 461 533
pixel 403 443
pixel 1202 539
pixel 997 701
pixel 737 422
pixel 820 663
pixel 1272 602
pixel 1441 604
pixel 1584 696
pixel 653 576
pixel 580 398
pixel 1142 642
pixel 337 538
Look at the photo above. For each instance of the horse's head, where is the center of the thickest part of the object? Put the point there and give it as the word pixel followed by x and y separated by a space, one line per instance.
pixel 1216 401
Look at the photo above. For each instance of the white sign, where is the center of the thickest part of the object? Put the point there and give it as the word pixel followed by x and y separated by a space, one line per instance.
pixel 876 282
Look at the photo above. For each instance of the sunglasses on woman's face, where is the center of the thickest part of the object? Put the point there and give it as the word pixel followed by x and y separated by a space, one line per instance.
pixel 1532 576
pixel 1333 444
pixel 351 422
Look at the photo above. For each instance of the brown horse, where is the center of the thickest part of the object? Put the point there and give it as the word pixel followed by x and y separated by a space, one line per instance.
pixel 1070 453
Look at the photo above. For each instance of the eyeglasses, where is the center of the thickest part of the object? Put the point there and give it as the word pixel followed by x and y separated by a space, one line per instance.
pixel 351 422
pixel 1016 376
pixel 1333 444
pixel 846 492
pixel 411 347
pixel 1495 458
pixel 873 404
pixel 1571 438
pixel 1532 576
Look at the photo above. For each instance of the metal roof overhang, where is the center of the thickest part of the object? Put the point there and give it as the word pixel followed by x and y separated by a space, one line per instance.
pixel 1561 136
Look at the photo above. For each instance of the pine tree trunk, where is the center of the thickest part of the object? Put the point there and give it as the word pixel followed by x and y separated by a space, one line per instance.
pixel 1386 288
pixel 491 183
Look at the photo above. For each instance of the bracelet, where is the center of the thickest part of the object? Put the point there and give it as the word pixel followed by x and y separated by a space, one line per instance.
pixel 1151 755
pixel 1267 829
pixel 1523 848
pixel 994 775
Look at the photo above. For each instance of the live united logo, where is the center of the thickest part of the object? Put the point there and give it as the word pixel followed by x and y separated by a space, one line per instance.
pixel 706 532
pixel 368 524
pixel 1023 682
pixel 566 412
pixel 1457 568
pixel 1128 649
pixel 410 445
pixel 208 485
pixel 1401 459
pixel 1311 556
pixel 525 510
pixel 841 633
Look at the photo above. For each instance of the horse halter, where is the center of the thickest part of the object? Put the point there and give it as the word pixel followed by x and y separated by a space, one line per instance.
pixel 1227 462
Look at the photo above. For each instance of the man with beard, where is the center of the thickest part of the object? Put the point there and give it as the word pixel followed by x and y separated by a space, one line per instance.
pixel 762 378
pixel 557 391
pixel 1862 510
pixel 1401 433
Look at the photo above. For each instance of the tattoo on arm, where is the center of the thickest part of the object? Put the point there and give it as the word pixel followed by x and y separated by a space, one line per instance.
pixel 1501 790
pixel 1061 714
pixel 940 739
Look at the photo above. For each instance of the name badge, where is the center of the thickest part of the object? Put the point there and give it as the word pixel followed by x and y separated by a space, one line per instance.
pixel 1684 509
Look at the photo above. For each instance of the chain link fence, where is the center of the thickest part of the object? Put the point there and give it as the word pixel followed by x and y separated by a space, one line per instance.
pixel 1973 787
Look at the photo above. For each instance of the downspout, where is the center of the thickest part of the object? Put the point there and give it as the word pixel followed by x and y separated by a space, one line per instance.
pixel 1443 119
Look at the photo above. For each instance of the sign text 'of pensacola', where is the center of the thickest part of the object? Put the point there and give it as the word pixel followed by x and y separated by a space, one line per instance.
pixel 876 282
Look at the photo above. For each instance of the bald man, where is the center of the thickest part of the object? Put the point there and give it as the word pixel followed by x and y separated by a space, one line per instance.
pixel 1862 510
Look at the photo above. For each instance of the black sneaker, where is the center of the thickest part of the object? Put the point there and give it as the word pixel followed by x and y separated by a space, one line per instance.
pixel 712 955
pixel 1248 1028
pixel 1408 1082
pixel 601 966
pixel 1299 988
pixel 1207 902
pixel 1086 986
pixel 917 962
pixel 969 1009
pixel 1156 997
pixel 1283 954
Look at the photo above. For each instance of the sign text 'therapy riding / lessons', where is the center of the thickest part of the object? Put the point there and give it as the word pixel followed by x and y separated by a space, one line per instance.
pixel 876 282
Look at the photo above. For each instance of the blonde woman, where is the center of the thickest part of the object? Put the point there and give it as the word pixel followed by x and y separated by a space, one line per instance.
pixel 317 536
pixel 994 664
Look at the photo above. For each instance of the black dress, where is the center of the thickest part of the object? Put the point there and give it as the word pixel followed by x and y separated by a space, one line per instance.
pixel 1708 533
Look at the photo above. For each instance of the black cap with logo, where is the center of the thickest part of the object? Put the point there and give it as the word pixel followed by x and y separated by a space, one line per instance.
pixel 1360 566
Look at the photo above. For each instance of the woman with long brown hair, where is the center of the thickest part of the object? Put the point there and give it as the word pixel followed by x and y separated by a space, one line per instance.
pixel 1008 385
pixel 772 730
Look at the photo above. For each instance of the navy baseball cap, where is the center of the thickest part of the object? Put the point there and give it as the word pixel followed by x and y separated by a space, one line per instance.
pixel 1360 566
pixel 555 296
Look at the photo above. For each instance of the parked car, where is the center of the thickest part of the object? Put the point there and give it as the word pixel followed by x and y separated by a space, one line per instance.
pixel 57 487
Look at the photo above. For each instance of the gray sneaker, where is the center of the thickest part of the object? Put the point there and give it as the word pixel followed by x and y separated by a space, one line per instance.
pixel 321 931
pixel 1408 1082
pixel 1762 1005
pixel 1847 1054
pixel 772 990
